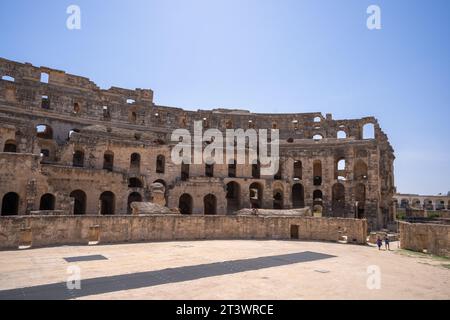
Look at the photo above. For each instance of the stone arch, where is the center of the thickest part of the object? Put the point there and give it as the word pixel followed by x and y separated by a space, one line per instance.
pixel 298 196
pixel 341 134
pixel 78 158
pixel 185 204
pixel 298 168
pixel 317 137
pixel 79 207
pixel 210 204
pixel 256 195
pixel 10 146
pixel 108 160
pixel 278 197
pixel 10 204
pixel 360 198
pixel 107 203
pixel 135 183
pixel 317 172
pixel 360 170
pixel 47 202
pixel 368 131
pixel 135 161
pixel 338 199
pixel 44 131
pixel 233 196
pixel 160 164
pixel 133 197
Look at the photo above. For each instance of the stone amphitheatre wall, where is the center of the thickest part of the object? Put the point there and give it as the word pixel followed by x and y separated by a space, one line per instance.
pixel 38 231
pixel 434 238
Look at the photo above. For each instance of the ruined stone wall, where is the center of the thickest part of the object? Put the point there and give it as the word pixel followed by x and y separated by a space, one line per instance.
pixel 85 119
pixel 434 238
pixel 61 230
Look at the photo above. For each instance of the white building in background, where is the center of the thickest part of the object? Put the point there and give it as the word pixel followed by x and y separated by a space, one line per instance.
pixel 439 202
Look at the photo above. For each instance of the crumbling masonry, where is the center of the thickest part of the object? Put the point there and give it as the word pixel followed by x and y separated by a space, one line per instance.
pixel 69 147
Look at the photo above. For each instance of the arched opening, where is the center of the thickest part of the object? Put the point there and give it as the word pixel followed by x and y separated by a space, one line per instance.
pixel 368 131
pixel 135 162
pixel 256 195
pixel 210 204
pixel 209 170
pixel 317 202
pixel 340 168
pixel 135 183
pixel 44 132
pixel 416 203
pixel 10 146
pixel 290 140
pixel 317 137
pixel 404 203
pixel 108 161
pixel 279 174
pixel 233 195
pixel 45 102
pixel 79 206
pixel 185 171
pixel 232 169
pixel 341 134
pixel 78 159
pixel 440 205
pixel 298 170
pixel 360 170
pixel 47 202
pixel 278 199
pixel 256 170
pixel 10 204
pixel 338 199
pixel 185 204
pixel 76 108
pixel 428 204
pixel 317 119
pixel 298 196
pixel 360 198
pixel 71 132
pixel 160 164
pixel 8 78
pixel 133 197
pixel 132 117
pixel 107 203
pixel 317 173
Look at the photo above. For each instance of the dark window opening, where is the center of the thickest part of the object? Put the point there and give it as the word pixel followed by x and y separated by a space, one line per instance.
pixel 210 204
pixel 45 102
pixel 298 170
pixel 184 171
pixel 10 146
pixel 78 159
pixel 47 202
pixel 10 204
pixel 298 196
pixel 79 206
pixel 108 161
pixel 134 183
pixel 160 164
pixel 185 204
pixel 107 203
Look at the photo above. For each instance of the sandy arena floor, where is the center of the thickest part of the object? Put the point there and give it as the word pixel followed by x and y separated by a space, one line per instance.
pixel 251 270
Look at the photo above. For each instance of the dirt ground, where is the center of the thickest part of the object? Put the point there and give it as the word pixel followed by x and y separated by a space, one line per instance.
pixel 253 270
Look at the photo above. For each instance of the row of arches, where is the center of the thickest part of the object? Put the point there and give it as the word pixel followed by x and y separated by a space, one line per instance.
pixel 11 200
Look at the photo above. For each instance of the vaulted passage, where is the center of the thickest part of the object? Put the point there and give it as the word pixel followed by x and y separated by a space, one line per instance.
pixel 185 171
pixel 256 195
pixel 78 159
pixel 135 162
pixel 278 199
pixel 233 195
pixel 10 146
pixel 185 204
pixel 107 203
pixel 10 204
pixel 360 198
pixel 298 196
pixel 133 197
pixel 79 206
pixel 47 202
pixel 317 172
pixel 210 204
pixel 108 161
pixel 338 199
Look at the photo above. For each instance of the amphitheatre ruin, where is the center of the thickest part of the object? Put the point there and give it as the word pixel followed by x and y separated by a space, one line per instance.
pixel 86 167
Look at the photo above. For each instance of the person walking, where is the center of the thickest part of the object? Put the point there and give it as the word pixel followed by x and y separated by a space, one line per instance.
pixel 386 243
pixel 379 243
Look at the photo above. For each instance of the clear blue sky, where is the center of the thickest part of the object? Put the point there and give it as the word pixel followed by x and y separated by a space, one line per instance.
pixel 264 56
